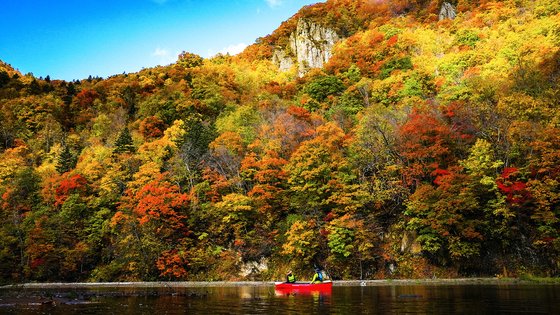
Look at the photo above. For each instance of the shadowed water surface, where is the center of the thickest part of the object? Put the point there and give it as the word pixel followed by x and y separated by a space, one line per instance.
pixel 399 299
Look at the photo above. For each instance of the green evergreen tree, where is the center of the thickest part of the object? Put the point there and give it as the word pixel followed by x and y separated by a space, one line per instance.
pixel 4 78
pixel 66 161
pixel 70 92
pixel 124 142
pixel 128 94
pixel 34 88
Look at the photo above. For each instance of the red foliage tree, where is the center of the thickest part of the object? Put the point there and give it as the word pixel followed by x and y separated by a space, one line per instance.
pixel 152 127
pixel 426 144
pixel 74 184
pixel 86 97
pixel 514 189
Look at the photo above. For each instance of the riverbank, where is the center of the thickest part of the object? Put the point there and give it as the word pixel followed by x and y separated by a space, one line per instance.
pixel 201 284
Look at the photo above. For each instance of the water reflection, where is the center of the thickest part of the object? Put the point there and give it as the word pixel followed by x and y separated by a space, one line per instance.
pixel 415 299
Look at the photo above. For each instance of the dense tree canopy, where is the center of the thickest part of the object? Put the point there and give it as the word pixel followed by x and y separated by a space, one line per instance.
pixel 424 147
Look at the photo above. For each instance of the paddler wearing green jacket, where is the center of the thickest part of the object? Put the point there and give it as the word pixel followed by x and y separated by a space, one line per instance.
pixel 290 278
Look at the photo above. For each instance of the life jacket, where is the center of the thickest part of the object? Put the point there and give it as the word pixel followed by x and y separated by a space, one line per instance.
pixel 320 276
pixel 291 278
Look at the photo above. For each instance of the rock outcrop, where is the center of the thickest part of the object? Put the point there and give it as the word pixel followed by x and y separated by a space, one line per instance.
pixel 283 60
pixel 447 11
pixel 410 244
pixel 310 46
pixel 253 269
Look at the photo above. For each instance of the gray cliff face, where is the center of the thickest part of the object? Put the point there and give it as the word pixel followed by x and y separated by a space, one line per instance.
pixel 310 47
pixel 447 11
pixel 283 60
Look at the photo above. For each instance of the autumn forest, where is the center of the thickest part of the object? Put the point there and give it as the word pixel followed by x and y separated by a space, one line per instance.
pixel 427 145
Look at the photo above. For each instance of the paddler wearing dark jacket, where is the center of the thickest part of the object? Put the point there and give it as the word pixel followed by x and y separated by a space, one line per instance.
pixel 317 277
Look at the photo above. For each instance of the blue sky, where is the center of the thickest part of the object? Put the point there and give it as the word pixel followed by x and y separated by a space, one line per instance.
pixel 72 39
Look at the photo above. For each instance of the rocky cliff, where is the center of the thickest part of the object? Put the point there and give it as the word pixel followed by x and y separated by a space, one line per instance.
pixel 447 11
pixel 310 46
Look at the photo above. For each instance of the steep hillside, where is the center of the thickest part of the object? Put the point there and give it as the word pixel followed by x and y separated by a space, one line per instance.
pixel 375 139
pixel 7 70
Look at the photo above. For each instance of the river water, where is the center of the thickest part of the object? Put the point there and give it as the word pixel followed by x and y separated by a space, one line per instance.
pixel 396 299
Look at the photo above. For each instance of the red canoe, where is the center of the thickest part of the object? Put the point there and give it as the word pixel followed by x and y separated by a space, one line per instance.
pixel 303 287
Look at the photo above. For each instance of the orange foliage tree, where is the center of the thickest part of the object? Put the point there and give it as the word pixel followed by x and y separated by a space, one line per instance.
pixel 152 231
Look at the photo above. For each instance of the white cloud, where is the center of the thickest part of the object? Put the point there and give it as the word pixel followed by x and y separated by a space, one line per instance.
pixel 163 56
pixel 233 49
pixel 159 52
pixel 274 3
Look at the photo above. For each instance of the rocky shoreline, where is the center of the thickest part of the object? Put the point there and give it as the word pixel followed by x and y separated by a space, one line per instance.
pixel 202 284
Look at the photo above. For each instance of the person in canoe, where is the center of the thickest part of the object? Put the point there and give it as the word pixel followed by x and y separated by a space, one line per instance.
pixel 318 276
pixel 290 277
